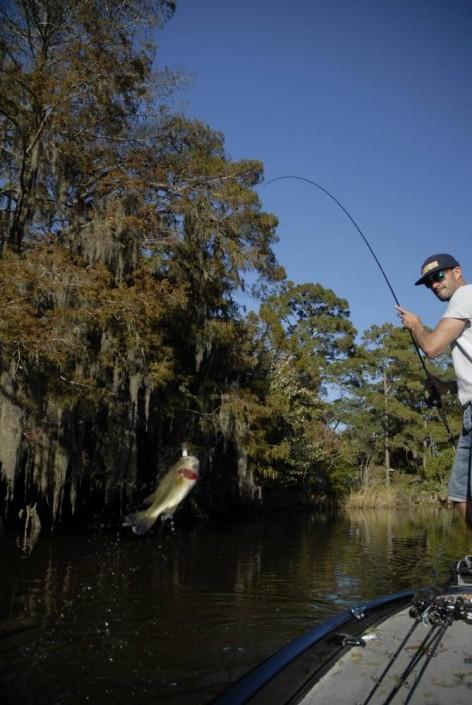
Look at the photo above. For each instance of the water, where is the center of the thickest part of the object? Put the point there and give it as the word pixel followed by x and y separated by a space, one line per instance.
pixel 173 618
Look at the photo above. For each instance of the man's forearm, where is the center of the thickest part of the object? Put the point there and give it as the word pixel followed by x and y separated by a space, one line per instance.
pixel 437 341
pixel 427 340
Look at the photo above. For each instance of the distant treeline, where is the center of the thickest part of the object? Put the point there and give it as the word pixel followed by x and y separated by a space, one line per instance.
pixel 126 235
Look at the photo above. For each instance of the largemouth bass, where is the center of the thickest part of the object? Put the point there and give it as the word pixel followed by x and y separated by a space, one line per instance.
pixel 171 490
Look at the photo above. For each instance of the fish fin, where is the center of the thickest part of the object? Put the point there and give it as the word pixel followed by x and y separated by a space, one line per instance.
pixel 168 514
pixel 150 498
pixel 161 490
pixel 140 522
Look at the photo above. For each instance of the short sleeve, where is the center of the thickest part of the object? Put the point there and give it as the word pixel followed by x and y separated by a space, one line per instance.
pixel 460 305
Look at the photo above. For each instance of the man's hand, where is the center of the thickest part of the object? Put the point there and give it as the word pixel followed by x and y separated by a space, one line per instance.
pixel 433 389
pixel 435 385
pixel 442 386
pixel 410 320
pixel 432 342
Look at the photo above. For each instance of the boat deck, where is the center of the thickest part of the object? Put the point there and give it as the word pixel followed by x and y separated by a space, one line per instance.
pixel 409 648
pixel 403 661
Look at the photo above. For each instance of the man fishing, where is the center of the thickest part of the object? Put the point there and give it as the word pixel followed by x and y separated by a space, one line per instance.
pixel 443 275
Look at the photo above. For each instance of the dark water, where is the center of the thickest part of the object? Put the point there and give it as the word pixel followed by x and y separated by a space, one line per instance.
pixel 173 618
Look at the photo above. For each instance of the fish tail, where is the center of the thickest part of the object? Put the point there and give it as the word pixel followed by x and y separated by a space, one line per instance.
pixel 140 522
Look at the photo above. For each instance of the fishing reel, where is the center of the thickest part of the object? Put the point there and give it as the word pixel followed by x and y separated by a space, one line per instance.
pixel 442 610
pixel 432 398
pixel 419 606
pixel 463 609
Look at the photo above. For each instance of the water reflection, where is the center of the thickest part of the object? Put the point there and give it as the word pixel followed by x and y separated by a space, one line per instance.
pixel 32 528
pixel 172 618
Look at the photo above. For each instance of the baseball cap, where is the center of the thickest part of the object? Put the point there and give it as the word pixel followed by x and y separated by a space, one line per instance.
pixel 434 264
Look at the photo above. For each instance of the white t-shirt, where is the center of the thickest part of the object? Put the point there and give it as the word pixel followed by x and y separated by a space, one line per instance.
pixel 460 306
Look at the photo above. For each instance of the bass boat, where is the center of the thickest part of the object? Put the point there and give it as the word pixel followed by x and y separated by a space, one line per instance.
pixel 407 648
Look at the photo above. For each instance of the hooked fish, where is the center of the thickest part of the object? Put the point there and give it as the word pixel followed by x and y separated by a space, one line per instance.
pixel 171 490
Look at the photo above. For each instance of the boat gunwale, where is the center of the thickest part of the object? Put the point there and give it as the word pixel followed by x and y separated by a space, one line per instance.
pixel 246 688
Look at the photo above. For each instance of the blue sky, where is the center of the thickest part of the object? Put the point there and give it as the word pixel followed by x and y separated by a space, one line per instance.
pixel 372 99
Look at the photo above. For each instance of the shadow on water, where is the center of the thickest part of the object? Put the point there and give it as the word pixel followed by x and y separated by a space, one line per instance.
pixel 173 618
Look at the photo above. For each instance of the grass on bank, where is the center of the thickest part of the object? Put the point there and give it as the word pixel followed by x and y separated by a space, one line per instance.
pixel 403 490
pixel 374 497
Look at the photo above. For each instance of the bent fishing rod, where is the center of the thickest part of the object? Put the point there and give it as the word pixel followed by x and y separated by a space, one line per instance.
pixel 437 400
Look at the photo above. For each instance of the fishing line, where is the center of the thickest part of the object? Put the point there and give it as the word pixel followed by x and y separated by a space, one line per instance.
pixel 376 259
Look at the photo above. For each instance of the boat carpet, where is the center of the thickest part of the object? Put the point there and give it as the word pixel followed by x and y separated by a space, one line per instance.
pixel 432 667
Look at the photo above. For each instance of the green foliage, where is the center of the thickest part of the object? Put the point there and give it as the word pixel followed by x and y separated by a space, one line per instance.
pixel 305 329
pixel 310 323
pixel 126 234
pixel 383 406
pixel 75 75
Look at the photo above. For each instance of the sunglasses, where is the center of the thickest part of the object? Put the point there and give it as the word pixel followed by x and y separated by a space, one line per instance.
pixel 435 278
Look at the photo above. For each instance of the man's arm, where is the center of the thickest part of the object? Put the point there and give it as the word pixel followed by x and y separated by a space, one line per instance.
pixel 436 341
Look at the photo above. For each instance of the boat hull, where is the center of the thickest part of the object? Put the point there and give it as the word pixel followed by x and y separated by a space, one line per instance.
pixel 403 648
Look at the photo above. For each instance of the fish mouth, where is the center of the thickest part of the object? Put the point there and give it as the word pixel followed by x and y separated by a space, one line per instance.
pixel 189 473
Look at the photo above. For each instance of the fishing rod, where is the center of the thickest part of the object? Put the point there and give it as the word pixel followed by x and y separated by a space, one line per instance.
pixel 426 650
pixel 434 400
pixel 429 656
pixel 380 679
